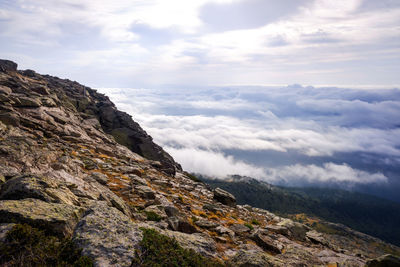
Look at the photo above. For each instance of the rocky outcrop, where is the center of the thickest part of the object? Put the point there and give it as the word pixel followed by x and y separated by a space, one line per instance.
pixel 7 65
pixel 72 165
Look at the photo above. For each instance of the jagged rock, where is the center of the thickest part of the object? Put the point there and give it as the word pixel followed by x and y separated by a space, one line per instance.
pixel 159 210
pixel 40 89
pixel 28 102
pixel 137 180
pixel 10 118
pixel 99 177
pixel 5 90
pixel 254 258
pixel 278 229
pixel 107 236
pixel 224 197
pixel 7 65
pixel 145 192
pixel 223 230
pixel 171 211
pixel 267 243
pixel 387 260
pixel 212 208
pixel 43 188
pixel 297 230
pixel 316 237
pixel 180 224
pixel 239 229
pixel 59 219
pixel 203 223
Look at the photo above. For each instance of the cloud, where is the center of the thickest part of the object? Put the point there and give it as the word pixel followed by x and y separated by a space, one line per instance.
pixel 213 164
pixel 327 174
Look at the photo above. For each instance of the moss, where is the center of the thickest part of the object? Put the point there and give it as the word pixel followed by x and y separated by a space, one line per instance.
pixel 248 225
pixel 28 246
pixel 152 216
pixel 255 222
pixel 159 250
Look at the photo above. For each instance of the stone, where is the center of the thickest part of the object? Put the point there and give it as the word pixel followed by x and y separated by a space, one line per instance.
pixel 180 224
pixel 107 236
pixel 58 219
pixel 222 230
pixel 224 197
pixel 212 207
pixel 145 192
pixel 297 230
pixel 5 90
pixel 28 102
pixel 387 260
pixel 267 243
pixel 10 118
pixel 137 180
pixel 278 229
pixel 99 177
pixel 239 229
pixel 203 223
pixel 255 258
pixel 40 89
pixel 33 186
pixel 159 210
pixel 316 237
pixel 7 65
pixel 171 211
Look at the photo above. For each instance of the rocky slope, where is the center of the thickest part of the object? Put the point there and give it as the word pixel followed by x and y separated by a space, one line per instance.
pixel 75 167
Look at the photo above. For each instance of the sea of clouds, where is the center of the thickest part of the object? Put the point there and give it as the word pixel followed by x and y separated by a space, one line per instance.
pixel 288 135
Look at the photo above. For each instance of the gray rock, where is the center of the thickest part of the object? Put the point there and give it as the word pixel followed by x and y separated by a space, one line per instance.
pixel 145 192
pixel 222 230
pixel 159 210
pixel 255 258
pixel 59 219
pixel 43 188
pixel 180 224
pixel 99 177
pixel 239 229
pixel 224 197
pixel 267 243
pixel 203 223
pixel 5 90
pixel 316 237
pixel 297 230
pixel 7 65
pixel 171 211
pixel 107 236
pixel 278 229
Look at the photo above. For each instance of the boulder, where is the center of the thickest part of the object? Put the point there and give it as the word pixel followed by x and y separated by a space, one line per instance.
pixel 180 224
pixel 224 197
pixel 7 65
pixel 204 223
pixel 107 236
pixel 58 219
pixel 5 90
pixel 267 243
pixel 316 237
pixel 100 177
pixel 159 210
pixel 254 258
pixel 278 229
pixel 145 192
pixel 222 230
pixel 28 102
pixel 239 229
pixel 33 186
pixel 296 230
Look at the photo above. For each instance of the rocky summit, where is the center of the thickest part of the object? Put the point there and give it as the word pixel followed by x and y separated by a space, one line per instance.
pixel 83 184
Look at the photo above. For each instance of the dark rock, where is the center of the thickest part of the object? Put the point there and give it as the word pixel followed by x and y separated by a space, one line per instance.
pixel 145 192
pixel 387 260
pixel 10 118
pixel 239 229
pixel 171 211
pixel 181 225
pixel 224 197
pixel 203 223
pixel 99 177
pixel 278 229
pixel 7 65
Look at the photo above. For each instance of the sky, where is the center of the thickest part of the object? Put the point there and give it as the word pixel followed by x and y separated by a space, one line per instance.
pixel 155 43
pixel 292 92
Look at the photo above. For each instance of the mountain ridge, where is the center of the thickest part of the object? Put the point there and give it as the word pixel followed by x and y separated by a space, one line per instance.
pixel 80 178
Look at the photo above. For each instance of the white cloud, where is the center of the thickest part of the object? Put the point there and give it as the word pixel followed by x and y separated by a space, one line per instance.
pixel 328 173
pixel 213 164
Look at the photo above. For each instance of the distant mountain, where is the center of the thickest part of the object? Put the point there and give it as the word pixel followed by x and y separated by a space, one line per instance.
pixel 368 214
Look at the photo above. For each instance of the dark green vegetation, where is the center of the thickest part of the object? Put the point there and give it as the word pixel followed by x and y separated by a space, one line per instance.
pixel 152 216
pixel 158 250
pixel 28 246
pixel 368 214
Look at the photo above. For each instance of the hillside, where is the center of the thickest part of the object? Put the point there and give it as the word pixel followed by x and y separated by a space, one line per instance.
pixel 82 184
pixel 368 214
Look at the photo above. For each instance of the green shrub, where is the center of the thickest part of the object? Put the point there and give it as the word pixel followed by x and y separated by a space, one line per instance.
pixel 28 246
pixel 158 250
pixel 255 222
pixel 249 226
pixel 152 216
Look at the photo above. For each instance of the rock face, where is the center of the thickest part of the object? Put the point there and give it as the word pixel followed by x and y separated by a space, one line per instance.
pixel 72 165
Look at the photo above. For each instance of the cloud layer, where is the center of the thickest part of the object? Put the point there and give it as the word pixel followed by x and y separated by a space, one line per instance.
pixel 325 135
